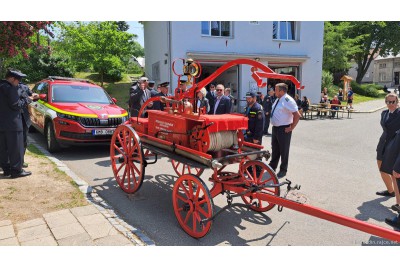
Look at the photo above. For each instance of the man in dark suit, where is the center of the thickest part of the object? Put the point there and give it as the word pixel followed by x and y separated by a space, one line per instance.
pixel 26 93
pixel 11 128
pixel 138 96
pixel 222 102
pixel 211 95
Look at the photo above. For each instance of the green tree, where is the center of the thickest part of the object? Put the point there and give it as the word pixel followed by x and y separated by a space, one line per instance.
pixel 98 45
pixel 373 38
pixel 123 26
pixel 15 37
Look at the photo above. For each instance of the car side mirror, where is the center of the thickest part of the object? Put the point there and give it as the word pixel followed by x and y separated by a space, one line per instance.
pixel 114 100
pixel 43 97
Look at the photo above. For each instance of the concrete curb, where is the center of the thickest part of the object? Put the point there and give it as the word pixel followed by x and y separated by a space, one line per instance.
pixel 370 111
pixel 132 233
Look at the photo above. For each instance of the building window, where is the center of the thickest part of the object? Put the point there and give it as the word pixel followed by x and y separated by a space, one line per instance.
pixel 382 77
pixel 284 30
pixel 155 69
pixel 382 65
pixel 397 64
pixel 216 28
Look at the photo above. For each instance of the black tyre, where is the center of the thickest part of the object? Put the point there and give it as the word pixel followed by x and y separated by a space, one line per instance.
pixel 51 141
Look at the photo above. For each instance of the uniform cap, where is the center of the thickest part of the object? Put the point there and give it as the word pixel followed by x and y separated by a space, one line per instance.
pixel 152 82
pixel 16 73
pixel 164 84
pixel 183 81
pixel 250 94
pixel 143 79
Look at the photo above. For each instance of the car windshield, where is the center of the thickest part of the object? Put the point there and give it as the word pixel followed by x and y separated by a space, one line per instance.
pixel 79 93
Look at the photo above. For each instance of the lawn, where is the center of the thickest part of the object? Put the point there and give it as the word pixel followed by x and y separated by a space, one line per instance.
pixel 118 90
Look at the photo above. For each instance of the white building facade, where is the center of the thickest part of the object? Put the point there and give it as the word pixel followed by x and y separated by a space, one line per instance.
pixel 286 47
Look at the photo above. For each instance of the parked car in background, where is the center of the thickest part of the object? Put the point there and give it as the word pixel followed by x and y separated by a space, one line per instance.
pixel 74 111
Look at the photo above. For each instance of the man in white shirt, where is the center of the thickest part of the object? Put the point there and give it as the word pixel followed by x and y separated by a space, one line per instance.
pixel 284 118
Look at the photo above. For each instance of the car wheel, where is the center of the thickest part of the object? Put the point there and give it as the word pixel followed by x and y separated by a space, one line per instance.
pixel 51 141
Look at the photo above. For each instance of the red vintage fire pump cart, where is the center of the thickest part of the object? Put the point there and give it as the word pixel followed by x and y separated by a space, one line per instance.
pixel 195 141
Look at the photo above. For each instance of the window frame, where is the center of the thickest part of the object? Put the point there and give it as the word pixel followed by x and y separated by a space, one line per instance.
pixel 220 28
pixel 278 31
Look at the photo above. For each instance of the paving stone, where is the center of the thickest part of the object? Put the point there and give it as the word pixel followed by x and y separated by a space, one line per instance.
pixel 5 223
pixel 77 240
pixel 44 241
pixel 84 211
pixel 32 233
pixel 67 230
pixel 113 240
pixel 61 219
pixel 100 230
pixel 6 232
pixel 30 223
pixel 92 219
pixel 56 213
pixel 13 241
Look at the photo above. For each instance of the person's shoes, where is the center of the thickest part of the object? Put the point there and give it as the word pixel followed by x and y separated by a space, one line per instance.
pixel 23 173
pixel 281 174
pixel 395 222
pixel 385 193
pixel 25 165
pixel 396 208
pixel 6 173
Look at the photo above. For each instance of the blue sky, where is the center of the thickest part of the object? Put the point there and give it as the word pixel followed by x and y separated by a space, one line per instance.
pixel 137 28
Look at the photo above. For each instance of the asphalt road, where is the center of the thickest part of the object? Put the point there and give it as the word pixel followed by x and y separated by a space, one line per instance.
pixel 332 160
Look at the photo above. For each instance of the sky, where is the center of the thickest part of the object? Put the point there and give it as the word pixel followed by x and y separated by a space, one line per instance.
pixel 137 28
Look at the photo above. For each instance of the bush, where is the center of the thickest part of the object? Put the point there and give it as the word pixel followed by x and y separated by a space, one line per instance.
pixel 327 79
pixel 365 89
pixel 113 75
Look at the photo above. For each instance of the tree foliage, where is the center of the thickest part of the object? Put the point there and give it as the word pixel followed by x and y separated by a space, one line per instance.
pixel 373 38
pixel 100 46
pixel 338 48
pixel 123 26
pixel 361 41
pixel 15 36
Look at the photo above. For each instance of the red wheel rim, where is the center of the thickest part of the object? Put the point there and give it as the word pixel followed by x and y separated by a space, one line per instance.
pixel 256 172
pixel 192 203
pixel 127 159
pixel 181 168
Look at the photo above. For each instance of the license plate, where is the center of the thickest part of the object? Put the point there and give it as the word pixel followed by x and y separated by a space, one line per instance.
pixel 103 132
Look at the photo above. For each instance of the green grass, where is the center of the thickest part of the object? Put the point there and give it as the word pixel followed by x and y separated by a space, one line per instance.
pixel 333 90
pixel 118 90
pixel 34 151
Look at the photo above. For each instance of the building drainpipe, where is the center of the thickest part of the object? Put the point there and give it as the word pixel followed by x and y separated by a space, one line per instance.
pixel 169 41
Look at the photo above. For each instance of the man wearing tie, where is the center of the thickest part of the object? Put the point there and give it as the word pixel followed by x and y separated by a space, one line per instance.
pixel 284 118
pixel 138 96
pixel 222 102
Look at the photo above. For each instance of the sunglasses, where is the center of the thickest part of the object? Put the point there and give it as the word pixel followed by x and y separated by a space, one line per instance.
pixel 219 90
pixel 391 102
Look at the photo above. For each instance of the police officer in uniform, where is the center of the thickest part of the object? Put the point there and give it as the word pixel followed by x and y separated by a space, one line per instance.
pixel 284 118
pixel 164 92
pixel 267 103
pixel 26 93
pixel 11 128
pixel 255 113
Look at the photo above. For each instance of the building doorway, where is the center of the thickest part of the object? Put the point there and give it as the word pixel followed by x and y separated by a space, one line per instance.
pixel 396 78
pixel 229 78
pixel 289 70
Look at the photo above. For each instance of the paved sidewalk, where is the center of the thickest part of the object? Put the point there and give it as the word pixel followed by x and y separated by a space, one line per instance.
pixel 81 226
pixel 93 225
pixel 369 106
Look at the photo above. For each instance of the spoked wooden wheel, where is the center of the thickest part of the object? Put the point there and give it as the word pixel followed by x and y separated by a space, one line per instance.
pixel 257 173
pixel 127 158
pixel 192 203
pixel 182 168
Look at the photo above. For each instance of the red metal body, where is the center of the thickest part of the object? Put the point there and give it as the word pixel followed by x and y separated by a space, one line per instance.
pixel 195 141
